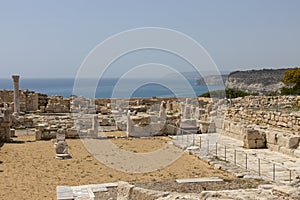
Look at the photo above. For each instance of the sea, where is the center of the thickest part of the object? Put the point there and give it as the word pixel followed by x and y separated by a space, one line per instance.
pixel 106 88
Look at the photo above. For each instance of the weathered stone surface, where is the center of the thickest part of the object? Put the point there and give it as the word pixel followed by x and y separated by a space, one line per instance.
pixel 293 142
pixel 237 194
pixel 5 125
pixel 273 147
pixel 124 190
pixel 61 147
pixel 253 139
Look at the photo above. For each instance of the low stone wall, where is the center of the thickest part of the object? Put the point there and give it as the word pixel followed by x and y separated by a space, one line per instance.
pixel 127 191
pixel 44 132
pixel 261 111
pixel 23 122
pixel 260 137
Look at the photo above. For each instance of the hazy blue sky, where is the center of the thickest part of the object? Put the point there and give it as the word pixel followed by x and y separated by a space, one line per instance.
pixel 51 38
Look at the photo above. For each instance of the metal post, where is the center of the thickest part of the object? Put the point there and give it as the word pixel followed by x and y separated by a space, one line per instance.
pixel 258 166
pixel 216 149
pixel 200 143
pixel 290 175
pixel 246 161
pixel 207 147
pixel 225 153
pixel 187 139
pixel 235 156
pixel 181 134
pixel 193 139
pixel 273 171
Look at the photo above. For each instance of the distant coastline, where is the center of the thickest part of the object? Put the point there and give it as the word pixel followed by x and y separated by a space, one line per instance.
pixel 64 87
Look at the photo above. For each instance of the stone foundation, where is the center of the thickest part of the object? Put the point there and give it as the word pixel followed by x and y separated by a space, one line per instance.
pixel 260 137
pixel 5 125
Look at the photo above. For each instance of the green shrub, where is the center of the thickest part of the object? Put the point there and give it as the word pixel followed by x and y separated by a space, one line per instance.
pixel 230 93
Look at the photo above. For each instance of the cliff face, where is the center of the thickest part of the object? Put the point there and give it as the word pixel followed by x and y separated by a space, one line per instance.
pixel 261 81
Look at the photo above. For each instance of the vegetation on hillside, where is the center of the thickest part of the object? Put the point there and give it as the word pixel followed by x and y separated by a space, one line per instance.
pixel 230 93
pixel 292 78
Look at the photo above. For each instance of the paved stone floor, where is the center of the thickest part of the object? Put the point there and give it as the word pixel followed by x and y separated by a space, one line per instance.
pixel 262 163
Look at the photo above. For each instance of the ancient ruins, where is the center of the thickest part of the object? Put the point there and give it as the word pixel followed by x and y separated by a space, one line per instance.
pixel 259 121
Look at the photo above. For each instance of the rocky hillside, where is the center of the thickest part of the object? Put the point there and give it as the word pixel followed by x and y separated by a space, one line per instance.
pixel 261 81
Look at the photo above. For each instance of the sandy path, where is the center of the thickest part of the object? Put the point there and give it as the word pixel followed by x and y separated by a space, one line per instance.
pixel 30 171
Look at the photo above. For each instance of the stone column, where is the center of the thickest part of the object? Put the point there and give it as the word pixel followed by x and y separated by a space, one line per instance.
pixel 16 94
pixel 162 112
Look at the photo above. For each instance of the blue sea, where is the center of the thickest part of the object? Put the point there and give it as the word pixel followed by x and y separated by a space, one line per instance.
pixel 106 86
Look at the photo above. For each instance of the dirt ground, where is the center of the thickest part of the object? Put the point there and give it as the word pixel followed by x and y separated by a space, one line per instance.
pixel 29 170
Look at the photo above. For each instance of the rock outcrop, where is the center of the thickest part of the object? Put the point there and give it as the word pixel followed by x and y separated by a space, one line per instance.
pixel 259 81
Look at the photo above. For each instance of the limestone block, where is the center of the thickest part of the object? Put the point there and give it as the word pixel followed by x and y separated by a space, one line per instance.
pixel 271 137
pixel 235 128
pixel 273 122
pixel 72 133
pixel 296 128
pixel 61 147
pixel 253 139
pixel 204 127
pixel 251 134
pixel 286 151
pixel 38 135
pixel 281 124
pixel 104 122
pixel 282 140
pixel 124 190
pixel 297 153
pixel 250 144
pixel 141 193
pixel 104 111
pixel 273 147
pixel 260 143
pixel 293 142
pixel 41 127
pixel 212 128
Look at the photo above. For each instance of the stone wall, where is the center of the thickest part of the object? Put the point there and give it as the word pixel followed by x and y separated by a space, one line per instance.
pixel 29 101
pixel 265 122
pixel 260 111
pixel 255 136
pixel 58 104
pixel 5 125
pixel 48 125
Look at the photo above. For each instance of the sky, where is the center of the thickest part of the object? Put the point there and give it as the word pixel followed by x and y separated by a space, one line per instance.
pixel 51 38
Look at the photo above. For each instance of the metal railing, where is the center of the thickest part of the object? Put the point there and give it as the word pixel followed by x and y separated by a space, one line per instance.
pixel 229 153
